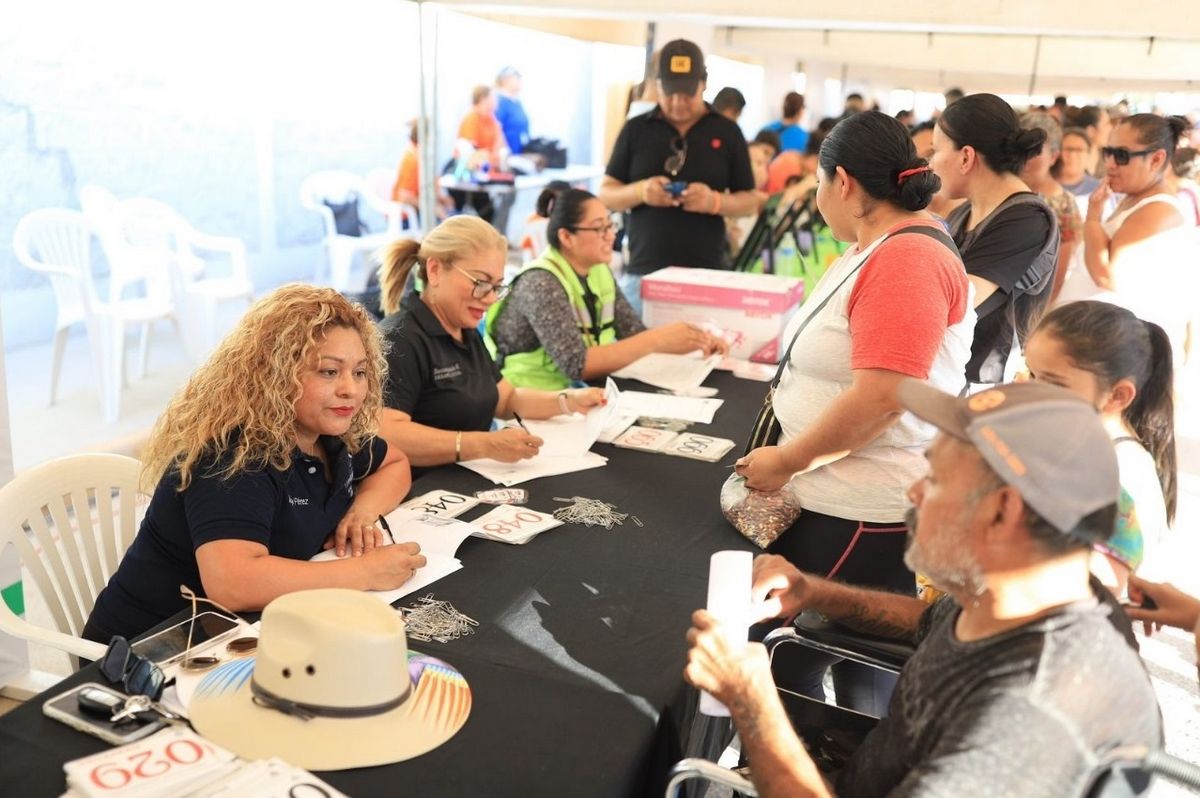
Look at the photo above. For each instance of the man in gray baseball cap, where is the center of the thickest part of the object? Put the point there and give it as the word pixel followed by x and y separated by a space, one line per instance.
pixel 1023 677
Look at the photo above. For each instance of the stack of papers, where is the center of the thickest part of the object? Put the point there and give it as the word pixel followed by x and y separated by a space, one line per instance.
pixel 567 440
pixel 213 773
pixel 659 405
pixel 439 538
pixel 509 474
pixel 681 373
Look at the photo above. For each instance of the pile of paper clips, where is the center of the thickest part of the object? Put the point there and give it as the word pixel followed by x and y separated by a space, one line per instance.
pixel 430 619
pixel 591 512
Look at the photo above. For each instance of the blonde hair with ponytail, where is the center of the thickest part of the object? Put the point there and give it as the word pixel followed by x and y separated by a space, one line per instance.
pixel 456 238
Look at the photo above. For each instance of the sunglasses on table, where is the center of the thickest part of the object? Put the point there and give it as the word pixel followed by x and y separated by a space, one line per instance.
pixel 481 288
pixel 1121 155
pixel 138 675
pixel 677 158
pixel 237 646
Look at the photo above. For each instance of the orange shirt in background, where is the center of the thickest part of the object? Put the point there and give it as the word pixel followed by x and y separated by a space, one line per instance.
pixel 408 178
pixel 484 133
pixel 786 164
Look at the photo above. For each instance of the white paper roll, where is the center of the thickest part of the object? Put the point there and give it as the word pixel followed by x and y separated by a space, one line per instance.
pixel 729 601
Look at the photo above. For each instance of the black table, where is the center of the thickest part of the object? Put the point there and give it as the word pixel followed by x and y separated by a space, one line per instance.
pixel 576 667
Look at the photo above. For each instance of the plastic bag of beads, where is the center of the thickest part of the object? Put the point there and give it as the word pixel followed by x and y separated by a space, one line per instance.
pixel 760 515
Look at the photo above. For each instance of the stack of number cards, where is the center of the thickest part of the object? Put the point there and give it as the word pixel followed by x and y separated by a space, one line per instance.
pixel 442 503
pixel 681 444
pixel 177 762
pixel 513 524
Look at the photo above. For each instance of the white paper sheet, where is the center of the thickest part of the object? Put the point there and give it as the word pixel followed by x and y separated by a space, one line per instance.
pixel 437 566
pixel 673 372
pixel 437 535
pixel 661 405
pixel 562 436
pixel 509 474
pixel 574 434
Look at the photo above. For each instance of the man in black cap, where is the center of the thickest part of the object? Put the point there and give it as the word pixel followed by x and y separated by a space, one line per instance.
pixel 1023 678
pixel 678 169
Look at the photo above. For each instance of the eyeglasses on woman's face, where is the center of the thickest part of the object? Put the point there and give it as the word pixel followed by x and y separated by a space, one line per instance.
pixel 603 229
pixel 1121 155
pixel 481 288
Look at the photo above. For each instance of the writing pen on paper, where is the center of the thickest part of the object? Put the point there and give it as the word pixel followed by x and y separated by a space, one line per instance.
pixel 384 524
pixel 520 423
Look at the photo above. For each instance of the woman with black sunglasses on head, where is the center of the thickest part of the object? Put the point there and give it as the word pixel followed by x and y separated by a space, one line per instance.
pixel 566 319
pixel 1139 150
pixel 443 389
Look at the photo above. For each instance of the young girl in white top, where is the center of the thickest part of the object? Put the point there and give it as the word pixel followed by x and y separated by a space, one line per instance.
pixel 1123 366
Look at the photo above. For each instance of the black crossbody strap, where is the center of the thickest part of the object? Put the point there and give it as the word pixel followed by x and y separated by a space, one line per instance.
pixel 936 233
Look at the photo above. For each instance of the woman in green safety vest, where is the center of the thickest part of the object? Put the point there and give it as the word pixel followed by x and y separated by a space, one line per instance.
pixel 565 319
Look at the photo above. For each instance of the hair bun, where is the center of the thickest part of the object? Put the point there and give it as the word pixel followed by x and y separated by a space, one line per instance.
pixel 1025 143
pixel 1179 127
pixel 916 185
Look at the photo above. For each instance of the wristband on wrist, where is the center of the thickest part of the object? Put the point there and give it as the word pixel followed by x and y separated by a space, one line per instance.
pixel 562 403
pixel 716 208
pixel 458 447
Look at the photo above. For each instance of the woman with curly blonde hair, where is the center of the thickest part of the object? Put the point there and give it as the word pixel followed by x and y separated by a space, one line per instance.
pixel 266 456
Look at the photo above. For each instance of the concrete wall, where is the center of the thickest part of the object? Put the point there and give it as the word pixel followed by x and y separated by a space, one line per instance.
pixel 223 120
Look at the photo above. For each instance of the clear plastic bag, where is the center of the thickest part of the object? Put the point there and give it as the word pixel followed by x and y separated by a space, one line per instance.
pixel 761 516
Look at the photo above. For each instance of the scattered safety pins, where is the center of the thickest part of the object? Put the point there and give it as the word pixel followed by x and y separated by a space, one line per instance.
pixel 669 424
pixel 591 512
pixel 430 619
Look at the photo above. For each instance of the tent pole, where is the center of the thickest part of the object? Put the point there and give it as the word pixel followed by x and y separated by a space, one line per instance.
pixel 426 122
pixel 1037 56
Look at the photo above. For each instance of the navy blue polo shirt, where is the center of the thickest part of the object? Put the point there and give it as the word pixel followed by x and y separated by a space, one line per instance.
pixel 716 156
pixel 440 382
pixel 290 512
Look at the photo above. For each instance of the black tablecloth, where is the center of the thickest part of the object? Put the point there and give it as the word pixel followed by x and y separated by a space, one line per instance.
pixel 575 669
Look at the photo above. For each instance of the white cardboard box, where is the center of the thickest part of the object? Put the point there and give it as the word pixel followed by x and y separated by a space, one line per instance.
pixel 753 309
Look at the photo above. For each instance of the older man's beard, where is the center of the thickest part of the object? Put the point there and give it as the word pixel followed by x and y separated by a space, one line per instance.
pixel 949 567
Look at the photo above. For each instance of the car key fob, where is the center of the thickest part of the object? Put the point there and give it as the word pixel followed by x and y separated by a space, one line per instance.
pixel 99 703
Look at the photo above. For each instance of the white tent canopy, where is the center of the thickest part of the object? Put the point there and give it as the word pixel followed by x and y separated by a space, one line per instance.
pixel 1102 47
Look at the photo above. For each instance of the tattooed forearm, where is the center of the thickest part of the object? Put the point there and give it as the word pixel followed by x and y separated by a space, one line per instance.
pixel 882 621
pixel 874 612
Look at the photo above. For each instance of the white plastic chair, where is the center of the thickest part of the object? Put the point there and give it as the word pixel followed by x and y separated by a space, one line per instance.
pixel 57 242
pixel 153 233
pixel 402 218
pixel 71 520
pixel 533 239
pixel 99 206
pixel 340 186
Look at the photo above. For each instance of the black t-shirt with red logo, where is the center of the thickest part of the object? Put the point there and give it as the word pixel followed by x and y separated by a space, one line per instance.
pixel 716 156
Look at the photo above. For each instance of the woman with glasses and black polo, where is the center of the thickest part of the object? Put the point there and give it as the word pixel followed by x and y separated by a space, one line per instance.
pixel 1140 149
pixel 443 388
pixel 566 320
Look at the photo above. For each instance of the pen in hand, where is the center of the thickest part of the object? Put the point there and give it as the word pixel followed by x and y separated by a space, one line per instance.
pixel 521 423
pixel 386 528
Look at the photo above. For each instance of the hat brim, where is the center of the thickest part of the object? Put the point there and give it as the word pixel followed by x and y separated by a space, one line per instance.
pixel 679 85
pixel 937 407
pixel 224 711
